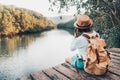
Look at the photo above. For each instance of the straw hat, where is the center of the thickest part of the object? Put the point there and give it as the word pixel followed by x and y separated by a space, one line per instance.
pixel 83 22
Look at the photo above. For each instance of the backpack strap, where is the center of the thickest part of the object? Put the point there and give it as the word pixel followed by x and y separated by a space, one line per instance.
pixel 108 54
pixel 86 36
pixel 97 55
pixel 106 69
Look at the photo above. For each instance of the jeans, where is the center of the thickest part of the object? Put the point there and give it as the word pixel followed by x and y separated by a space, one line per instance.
pixel 75 61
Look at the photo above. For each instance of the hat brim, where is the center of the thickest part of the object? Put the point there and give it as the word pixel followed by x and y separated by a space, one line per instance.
pixel 83 27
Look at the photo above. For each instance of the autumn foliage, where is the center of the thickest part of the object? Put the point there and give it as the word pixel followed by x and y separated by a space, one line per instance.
pixel 17 20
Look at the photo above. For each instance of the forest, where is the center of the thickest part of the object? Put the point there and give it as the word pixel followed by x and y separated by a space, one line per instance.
pixel 105 15
pixel 15 20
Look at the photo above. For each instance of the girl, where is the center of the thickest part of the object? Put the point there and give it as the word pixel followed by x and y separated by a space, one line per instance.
pixel 82 25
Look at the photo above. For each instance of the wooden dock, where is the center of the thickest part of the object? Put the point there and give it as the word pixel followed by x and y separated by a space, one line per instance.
pixel 67 72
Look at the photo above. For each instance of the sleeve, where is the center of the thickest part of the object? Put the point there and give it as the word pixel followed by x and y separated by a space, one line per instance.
pixel 73 44
pixel 76 43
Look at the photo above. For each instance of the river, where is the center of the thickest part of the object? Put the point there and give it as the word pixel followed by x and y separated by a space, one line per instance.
pixel 25 54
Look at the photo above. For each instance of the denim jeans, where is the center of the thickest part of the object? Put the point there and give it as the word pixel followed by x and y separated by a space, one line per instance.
pixel 77 62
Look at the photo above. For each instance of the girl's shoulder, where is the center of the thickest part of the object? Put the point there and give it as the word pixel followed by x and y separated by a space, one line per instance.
pixel 81 38
pixel 94 33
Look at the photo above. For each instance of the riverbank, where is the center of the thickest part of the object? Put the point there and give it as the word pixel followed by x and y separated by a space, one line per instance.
pixel 10 35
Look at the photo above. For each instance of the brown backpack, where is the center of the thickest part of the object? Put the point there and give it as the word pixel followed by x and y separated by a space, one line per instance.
pixel 97 58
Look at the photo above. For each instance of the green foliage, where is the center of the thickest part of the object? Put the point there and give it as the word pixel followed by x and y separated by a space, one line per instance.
pixel 68 24
pixel 17 20
pixel 105 14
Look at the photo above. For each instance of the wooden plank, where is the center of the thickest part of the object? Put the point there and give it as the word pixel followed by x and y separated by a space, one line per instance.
pixel 115 61
pixel 25 78
pixel 113 76
pixel 74 69
pixel 115 71
pixel 116 50
pixel 107 76
pixel 69 67
pixel 83 74
pixel 87 76
pixel 39 76
pixel 115 54
pixel 115 57
pixel 103 77
pixel 54 75
pixel 115 65
pixel 68 73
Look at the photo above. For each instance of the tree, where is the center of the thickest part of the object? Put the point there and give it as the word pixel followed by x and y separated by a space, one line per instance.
pixel 17 20
pixel 105 14
pixel 110 8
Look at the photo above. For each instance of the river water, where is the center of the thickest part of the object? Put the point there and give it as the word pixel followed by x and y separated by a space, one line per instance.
pixel 22 55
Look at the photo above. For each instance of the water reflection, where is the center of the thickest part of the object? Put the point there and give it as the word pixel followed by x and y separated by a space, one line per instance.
pixel 9 45
pixel 22 55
